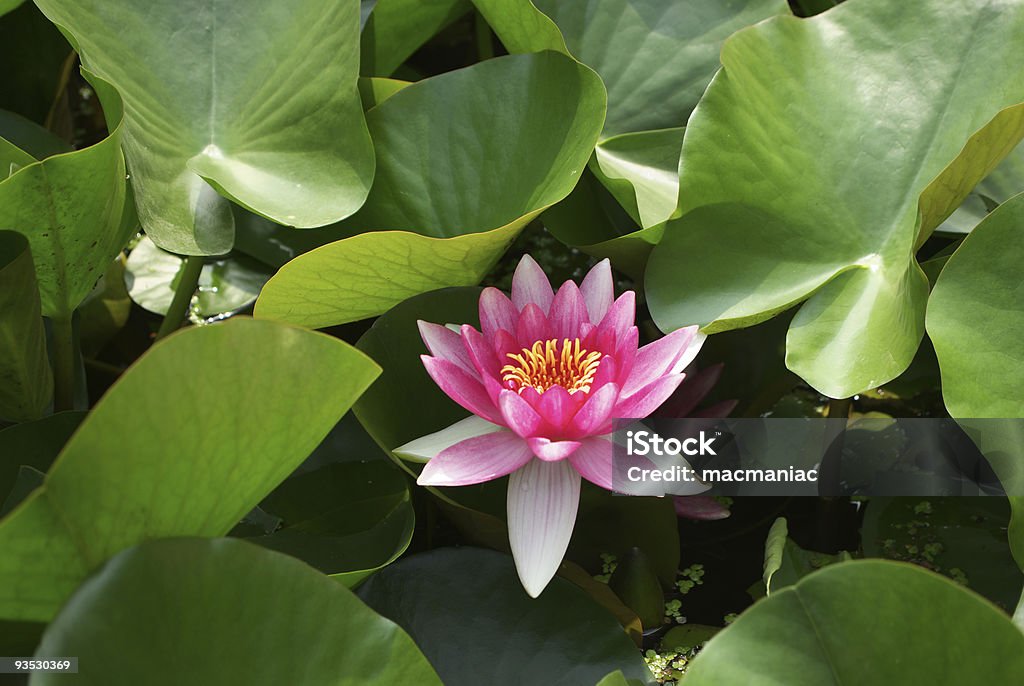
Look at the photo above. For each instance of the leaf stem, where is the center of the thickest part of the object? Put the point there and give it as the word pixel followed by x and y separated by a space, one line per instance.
pixel 484 44
pixel 63 363
pixel 188 281
pixel 839 408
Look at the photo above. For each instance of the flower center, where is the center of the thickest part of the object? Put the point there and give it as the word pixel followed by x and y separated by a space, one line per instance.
pixel 549 363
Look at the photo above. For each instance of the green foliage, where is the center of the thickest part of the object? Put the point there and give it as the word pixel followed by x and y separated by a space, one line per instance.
pixel 26 383
pixel 822 187
pixel 218 99
pixel 863 622
pixel 192 610
pixel 449 599
pixel 220 423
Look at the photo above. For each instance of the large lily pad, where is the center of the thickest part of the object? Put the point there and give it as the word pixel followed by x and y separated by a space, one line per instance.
pixel 821 187
pixel 197 611
pixel 449 166
pixel 449 599
pixel 259 104
pixel 71 207
pixel 865 622
pixel 191 459
pixel 26 382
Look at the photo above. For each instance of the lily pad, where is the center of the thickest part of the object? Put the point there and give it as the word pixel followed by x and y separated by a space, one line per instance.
pixel 197 611
pixel 820 189
pixel 261 106
pixel 449 166
pixel 451 598
pixel 223 422
pixel 865 622
pixel 396 28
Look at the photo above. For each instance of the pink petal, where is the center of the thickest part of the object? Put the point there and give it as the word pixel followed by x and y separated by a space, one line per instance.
pixel 598 290
pixel 594 413
pixel 621 315
pixel 568 312
pixel 462 388
pixel 476 460
pixel 496 312
pixel 530 285
pixel 532 326
pixel 593 460
pixel 657 359
pixel 518 414
pixel 647 399
pixel 552 451
pixel 446 344
pixel 699 507
pixel 480 354
pixel 542 501
pixel 557 407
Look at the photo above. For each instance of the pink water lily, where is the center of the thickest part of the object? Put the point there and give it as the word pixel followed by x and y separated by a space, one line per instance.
pixel 544 378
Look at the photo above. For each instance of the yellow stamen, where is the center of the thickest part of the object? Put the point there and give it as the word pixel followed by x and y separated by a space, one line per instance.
pixel 548 364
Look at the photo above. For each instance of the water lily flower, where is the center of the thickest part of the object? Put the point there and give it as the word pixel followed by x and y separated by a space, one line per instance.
pixel 544 379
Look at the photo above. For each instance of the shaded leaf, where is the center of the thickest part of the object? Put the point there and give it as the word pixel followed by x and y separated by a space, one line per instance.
pixel 396 28
pixel 26 382
pixel 451 598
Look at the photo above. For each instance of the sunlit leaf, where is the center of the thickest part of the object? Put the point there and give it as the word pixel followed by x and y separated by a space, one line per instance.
pixel 225 612
pixel 865 622
pixel 260 104
pixel 192 415
pixel 451 166
pixel 821 187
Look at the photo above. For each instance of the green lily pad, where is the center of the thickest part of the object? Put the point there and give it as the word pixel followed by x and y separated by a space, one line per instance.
pixel 1006 181
pixel 259 106
pixel 216 420
pixel 185 611
pixel 226 284
pixel 865 622
pixel 449 166
pixel 26 382
pixel 820 189
pixel 451 598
